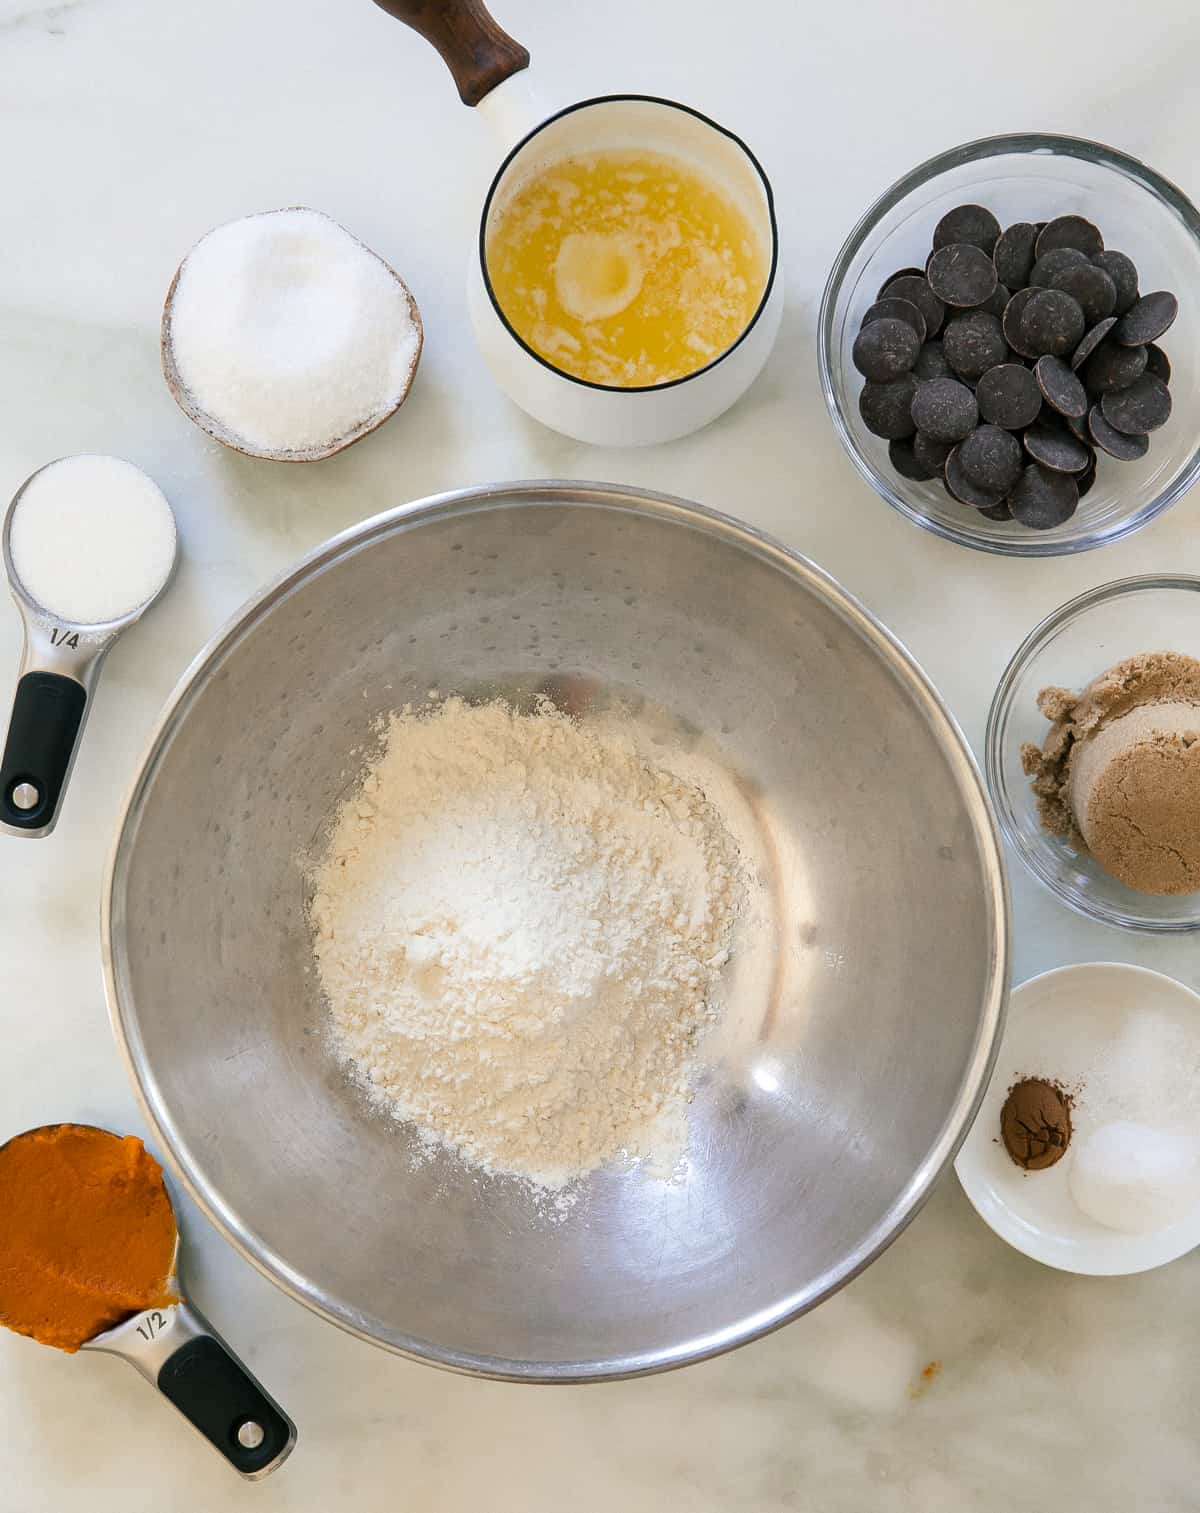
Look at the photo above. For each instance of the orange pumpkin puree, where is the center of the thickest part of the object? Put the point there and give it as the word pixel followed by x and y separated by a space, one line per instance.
pixel 87 1235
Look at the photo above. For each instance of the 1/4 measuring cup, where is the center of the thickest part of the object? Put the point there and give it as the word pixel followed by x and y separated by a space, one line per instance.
pixel 171 1344
pixel 89 543
pixel 488 67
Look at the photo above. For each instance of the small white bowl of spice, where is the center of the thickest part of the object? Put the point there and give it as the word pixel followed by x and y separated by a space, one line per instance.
pixel 285 337
pixel 1086 1151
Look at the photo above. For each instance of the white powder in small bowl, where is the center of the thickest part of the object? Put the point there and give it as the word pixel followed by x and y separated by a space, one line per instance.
pixel 1134 1178
pixel 92 538
pixel 285 337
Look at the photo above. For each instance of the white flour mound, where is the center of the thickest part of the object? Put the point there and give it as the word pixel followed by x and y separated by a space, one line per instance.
pixel 519 926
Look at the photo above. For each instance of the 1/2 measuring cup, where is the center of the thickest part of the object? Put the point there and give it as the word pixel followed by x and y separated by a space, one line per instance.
pixel 178 1351
pixel 89 543
pixel 488 67
pixel 171 1344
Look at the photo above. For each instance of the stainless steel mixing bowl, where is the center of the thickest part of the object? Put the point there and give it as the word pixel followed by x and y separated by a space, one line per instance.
pixel 862 1043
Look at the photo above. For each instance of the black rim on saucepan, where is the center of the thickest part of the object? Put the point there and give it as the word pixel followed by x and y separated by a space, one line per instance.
pixel 670 383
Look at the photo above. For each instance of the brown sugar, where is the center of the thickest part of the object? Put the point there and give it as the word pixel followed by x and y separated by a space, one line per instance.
pixel 1119 771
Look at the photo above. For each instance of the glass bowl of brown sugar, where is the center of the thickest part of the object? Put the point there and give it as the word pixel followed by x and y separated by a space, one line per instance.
pixel 1131 644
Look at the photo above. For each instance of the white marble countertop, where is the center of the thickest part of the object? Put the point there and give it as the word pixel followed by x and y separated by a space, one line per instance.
pixel 131 126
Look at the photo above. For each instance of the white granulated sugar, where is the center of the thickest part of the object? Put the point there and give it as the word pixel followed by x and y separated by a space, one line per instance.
pixel 289 333
pixel 1135 1178
pixel 1150 1073
pixel 1133 1070
pixel 519 925
pixel 92 538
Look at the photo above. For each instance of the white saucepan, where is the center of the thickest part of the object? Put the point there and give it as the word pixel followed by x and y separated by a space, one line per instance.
pixel 489 67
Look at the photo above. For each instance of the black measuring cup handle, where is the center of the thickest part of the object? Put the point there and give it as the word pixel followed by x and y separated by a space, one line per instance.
pixel 47 717
pixel 178 1351
pixel 215 1392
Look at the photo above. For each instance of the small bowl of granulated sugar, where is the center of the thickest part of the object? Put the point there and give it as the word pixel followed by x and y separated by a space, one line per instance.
pixel 285 337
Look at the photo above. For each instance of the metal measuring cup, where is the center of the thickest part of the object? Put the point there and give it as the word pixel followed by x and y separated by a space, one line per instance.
pixel 178 1351
pixel 60 664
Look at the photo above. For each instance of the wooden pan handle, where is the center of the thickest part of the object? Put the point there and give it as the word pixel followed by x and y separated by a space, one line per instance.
pixel 478 53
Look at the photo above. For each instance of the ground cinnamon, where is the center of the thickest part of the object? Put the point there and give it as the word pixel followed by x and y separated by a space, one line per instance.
pixel 87 1234
pixel 1035 1123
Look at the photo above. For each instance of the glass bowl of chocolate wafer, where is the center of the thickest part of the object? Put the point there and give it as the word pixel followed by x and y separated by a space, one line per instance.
pixel 1006 345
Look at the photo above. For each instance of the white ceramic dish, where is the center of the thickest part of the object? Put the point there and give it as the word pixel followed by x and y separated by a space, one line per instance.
pixel 1055 1023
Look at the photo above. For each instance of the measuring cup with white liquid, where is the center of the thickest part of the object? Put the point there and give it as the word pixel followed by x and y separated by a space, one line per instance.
pixel 488 67
pixel 89 543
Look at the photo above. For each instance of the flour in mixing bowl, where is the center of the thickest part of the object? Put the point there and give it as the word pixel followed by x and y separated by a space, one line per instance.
pixel 519 925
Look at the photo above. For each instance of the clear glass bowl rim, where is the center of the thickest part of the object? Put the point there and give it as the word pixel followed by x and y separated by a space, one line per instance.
pixel 997 723
pixel 1032 545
